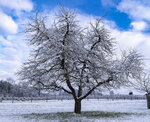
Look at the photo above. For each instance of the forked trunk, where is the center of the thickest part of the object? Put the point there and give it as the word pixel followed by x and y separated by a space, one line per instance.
pixel 148 101
pixel 77 107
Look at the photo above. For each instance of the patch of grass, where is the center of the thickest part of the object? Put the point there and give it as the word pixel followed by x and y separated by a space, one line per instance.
pixel 70 116
pixel 101 114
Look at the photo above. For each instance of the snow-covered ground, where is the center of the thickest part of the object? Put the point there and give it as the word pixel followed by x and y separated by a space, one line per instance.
pixel 11 112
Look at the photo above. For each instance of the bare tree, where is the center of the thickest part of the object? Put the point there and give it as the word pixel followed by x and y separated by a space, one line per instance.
pixel 143 84
pixel 67 57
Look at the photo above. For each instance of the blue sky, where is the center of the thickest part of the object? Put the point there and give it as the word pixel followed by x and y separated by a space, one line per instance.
pixel 90 7
pixel 127 20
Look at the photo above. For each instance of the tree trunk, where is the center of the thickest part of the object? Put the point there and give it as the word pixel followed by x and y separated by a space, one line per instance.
pixel 77 107
pixel 148 101
pixel 39 92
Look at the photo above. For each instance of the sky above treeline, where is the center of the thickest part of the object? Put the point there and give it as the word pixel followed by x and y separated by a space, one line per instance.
pixel 127 20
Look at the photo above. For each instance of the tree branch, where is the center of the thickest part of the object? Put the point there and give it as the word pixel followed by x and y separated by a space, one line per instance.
pixel 100 83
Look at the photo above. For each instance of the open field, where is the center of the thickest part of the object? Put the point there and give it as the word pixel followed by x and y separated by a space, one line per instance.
pixel 101 111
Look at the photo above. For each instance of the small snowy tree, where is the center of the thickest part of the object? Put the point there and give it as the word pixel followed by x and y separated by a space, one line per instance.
pixel 143 84
pixel 67 57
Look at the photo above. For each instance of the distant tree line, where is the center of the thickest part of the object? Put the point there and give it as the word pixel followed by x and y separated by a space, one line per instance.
pixel 8 89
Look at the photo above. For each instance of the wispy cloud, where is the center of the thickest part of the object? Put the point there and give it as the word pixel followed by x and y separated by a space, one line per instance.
pixel 13 48
pixel 108 3
pixel 139 25
pixel 13 51
pixel 18 5
pixel 136 9
pixel 7 24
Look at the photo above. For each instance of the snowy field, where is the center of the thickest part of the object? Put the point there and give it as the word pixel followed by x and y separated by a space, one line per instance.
pixel 12 112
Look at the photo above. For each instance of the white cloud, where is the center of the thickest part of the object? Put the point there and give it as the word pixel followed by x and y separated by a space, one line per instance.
pixel 130 39
pixel 108 3
pixel 139 25
pixel 4 42
pixel 136 9
pixel 133 39
pixel 13 48
pixel 13 51
pixel 7 24
pixel 5 74
pixel 127 39
pixel 18 5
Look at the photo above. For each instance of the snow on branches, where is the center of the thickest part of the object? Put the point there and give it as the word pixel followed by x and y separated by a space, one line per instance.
pixel 68 57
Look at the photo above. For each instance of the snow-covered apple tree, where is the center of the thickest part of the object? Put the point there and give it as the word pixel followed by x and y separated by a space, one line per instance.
pixel 65 56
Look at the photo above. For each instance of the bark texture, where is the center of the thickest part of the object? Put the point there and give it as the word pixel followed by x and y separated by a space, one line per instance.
pixel 77 107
